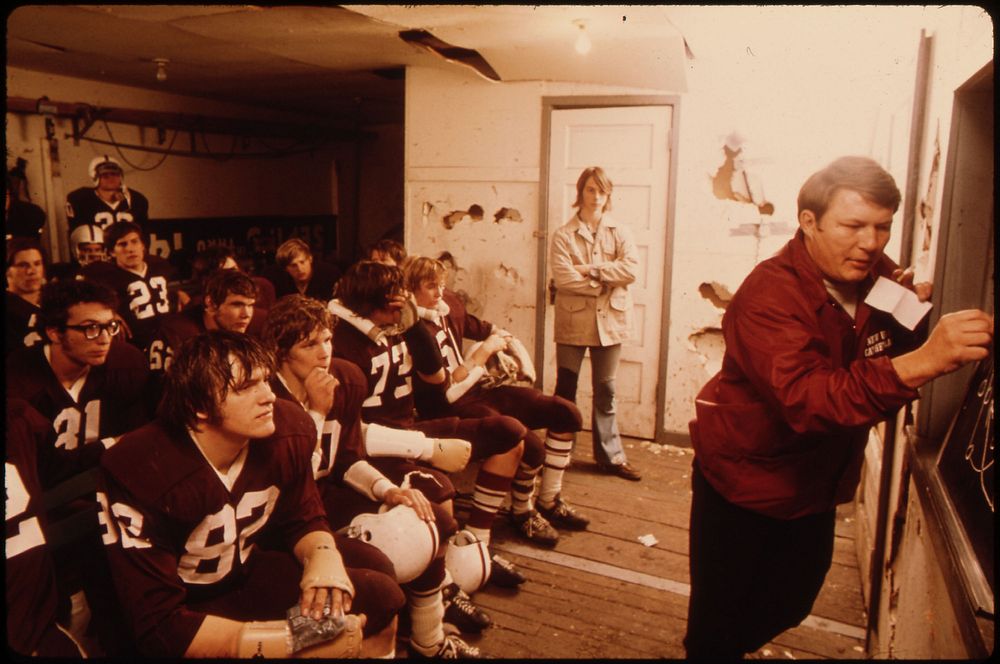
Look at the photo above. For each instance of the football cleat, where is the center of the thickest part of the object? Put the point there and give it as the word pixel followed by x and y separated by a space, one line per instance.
pixel 535 528
pixel 451 648
pixel 563 514
pixel 504 573
pixel 460 611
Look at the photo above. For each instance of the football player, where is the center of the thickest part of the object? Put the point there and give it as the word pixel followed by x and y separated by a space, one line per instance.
pixel 140 280
pixel 387 251
pixel 86 244
pixel 224 468
pixel 299 330
pixel 297 271
pixel 108 201
pixel 32 599
pixel 392 351
pixel 228 304
pixel 91 388
pixel 475 394
pixel 221 257
pixel 25 276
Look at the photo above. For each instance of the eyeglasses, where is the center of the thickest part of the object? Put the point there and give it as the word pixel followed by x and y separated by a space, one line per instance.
pixel 93 330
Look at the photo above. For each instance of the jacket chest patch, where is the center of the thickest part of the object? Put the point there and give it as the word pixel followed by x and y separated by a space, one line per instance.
pixel 878 343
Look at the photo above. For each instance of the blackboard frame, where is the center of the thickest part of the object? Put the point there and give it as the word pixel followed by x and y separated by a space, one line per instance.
pixel 964 278
pixel 971 520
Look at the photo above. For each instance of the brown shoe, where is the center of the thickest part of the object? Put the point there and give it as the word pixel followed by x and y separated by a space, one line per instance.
pixel 623 470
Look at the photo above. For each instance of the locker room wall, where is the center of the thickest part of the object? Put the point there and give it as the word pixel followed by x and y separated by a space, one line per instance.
pixel 187 187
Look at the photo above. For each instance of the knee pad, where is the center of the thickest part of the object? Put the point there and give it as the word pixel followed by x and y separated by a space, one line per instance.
pixel 359 554
pixel 504 432
pixel 379 597
pixel 566 417
pixel 566 384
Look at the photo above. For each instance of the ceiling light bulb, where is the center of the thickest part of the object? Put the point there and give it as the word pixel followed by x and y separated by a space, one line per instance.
pixel 161 69
pixel 582 44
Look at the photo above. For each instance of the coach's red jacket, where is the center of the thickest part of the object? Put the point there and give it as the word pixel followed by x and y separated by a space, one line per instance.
pixel 781 429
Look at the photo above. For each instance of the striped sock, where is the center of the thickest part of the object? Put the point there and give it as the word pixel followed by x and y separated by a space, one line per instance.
pixel 522 488
pixel 557 455
pixel 488 496
pixel 426 620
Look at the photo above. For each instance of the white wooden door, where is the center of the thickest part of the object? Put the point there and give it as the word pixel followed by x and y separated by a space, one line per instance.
pixel 632 145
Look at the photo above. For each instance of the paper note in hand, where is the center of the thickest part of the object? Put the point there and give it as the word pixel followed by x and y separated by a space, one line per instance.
pixel 886 295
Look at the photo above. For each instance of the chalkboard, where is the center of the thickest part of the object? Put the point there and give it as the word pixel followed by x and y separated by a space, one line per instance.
pixel 966 464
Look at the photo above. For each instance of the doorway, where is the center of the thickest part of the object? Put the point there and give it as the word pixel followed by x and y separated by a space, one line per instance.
pixel 633 140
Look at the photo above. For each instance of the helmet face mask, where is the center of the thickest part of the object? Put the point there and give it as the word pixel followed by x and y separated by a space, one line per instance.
pixel 90 252
pixel 87 243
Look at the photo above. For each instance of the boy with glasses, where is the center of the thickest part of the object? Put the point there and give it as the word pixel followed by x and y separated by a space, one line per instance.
pixel 88 387
pixel 91 388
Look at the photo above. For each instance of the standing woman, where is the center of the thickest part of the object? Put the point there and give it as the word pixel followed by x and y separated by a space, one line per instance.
pixel 594 259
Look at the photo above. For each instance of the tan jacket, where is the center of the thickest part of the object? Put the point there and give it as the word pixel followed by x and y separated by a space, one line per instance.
pixel 593 310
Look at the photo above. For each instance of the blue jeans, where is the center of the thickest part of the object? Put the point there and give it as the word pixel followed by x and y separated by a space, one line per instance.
pixel 603 367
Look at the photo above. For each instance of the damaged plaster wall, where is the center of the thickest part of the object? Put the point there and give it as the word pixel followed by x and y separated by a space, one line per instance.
pixel 469 142
pixel 490 268
pixel 742 81
pixel 473 151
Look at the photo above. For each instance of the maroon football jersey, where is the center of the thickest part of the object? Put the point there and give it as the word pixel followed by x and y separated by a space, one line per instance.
pixel 22 319
pixel 387 367
pixel 340 440
pixel 141 299
pixel 171 331
pixel 84 206
pixel 185 537
pixel 31 584
pixel 112 401
pixel 528 405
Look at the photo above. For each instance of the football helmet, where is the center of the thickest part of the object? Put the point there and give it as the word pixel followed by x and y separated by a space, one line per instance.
pixel 87 234
pixel 407 540
pixel 103 164
pixel 468 561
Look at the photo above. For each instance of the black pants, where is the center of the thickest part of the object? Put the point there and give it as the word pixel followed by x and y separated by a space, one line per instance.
pixel 752 576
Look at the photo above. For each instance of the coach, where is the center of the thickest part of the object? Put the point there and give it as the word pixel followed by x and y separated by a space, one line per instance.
pixel 780 431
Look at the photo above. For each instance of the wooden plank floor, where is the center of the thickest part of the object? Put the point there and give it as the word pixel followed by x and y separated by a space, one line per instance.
pixel 603 594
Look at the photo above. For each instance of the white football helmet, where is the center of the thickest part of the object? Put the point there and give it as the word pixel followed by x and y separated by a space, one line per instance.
pixel 468 560
pixel 87 234
pixel 103 164
pixel 407 540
